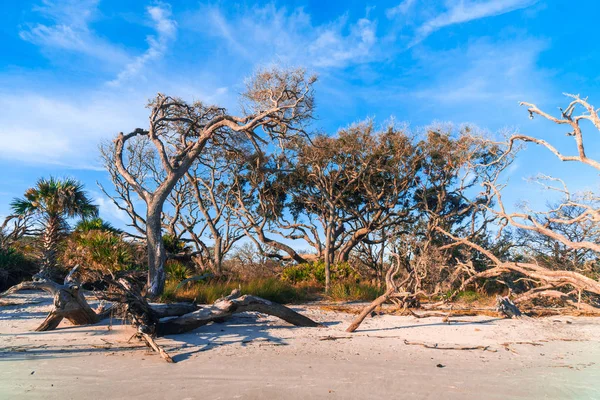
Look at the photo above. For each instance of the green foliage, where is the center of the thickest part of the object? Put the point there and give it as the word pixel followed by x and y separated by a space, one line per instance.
pixel 56 198
pixel 172 244
pixel 208 292
pixel 352 291
pixel 468 296
pixel 98 224
pixel 14 267
pixel 176 271
pixel 315 272
pixel 99 250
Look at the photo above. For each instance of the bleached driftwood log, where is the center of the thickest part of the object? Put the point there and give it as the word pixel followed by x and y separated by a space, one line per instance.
pixel 69 302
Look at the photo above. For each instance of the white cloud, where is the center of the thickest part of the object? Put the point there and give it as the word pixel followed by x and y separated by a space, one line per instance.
pixel 334 49
pixel 400 9
pixel 62 131
pixel 70 30
pixel 108 210
pixel 274 34
pixel 166 29
pixel 464 11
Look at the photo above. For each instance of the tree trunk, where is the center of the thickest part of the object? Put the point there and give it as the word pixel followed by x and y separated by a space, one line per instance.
pixel 217 256
pixel 156 252
pixel 327 259
pixel 49 242
pixel 69 302
pixel 367 310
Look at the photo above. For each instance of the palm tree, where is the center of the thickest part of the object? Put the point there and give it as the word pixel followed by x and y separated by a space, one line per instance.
pixel 54 201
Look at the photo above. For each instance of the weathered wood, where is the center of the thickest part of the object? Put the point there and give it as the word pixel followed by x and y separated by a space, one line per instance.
pixel 436 346
pixel 507 307
pixel 173 309
pixel 226 307
pixel 45 285
pixel 69 302
pixel 367 310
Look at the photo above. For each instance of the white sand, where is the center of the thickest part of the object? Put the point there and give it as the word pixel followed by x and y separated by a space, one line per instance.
pixel 257 357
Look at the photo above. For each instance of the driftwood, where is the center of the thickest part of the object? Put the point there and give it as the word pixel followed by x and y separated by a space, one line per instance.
pixel 438 347
pixel 392 293
pixel 225 307
pixel 69 302
pixel 507 307
pixel 150 323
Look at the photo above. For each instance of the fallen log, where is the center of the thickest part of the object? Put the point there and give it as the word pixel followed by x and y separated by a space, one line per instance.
pixel 172 309
pixel 224 308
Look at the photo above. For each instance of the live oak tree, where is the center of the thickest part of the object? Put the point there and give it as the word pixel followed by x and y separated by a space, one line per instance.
pixel 347 187
pixel 274 106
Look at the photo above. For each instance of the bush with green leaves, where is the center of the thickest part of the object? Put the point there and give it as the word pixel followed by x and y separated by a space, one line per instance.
pixel 315 272
pixel 176 271
pixel 99 250
pixel 15 267
pixel 172 244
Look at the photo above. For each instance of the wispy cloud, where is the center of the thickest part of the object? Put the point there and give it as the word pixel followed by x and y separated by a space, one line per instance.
pixel 484 81
pixel 62 131
pixel 465 11
pixel 70 30
pixel 400 9
pixel 279 34
pixel 166 30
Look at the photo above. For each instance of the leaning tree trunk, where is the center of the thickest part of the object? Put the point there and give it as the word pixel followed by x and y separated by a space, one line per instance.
pixel 391 289
pixel 156 253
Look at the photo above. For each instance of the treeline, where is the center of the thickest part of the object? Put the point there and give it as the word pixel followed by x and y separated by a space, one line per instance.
pixel 200 184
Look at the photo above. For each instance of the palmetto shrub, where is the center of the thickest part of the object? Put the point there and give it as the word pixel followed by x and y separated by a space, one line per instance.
pixel 15 267
pixel 315 272
pixel 99 250
pixel 177 271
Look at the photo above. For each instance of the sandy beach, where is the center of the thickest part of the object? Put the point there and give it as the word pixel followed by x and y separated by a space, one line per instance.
pixel 253 356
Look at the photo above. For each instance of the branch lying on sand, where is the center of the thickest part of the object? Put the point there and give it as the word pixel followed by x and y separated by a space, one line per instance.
pixel 438 347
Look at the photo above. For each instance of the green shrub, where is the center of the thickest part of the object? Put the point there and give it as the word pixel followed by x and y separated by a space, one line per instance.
pixel 98 250
pixel 14 267
pixel 468 296
pixel 315 272
pixel 352 291
pixel 176 271
pixel 95 224
pixel 172 244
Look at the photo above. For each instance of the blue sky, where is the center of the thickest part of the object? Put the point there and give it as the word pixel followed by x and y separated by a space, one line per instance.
pixel 74 73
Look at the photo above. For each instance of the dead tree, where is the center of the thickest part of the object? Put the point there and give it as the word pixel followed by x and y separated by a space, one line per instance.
pixel 149 322
pixel 278 101
pixel 583 208
pixel 69 302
